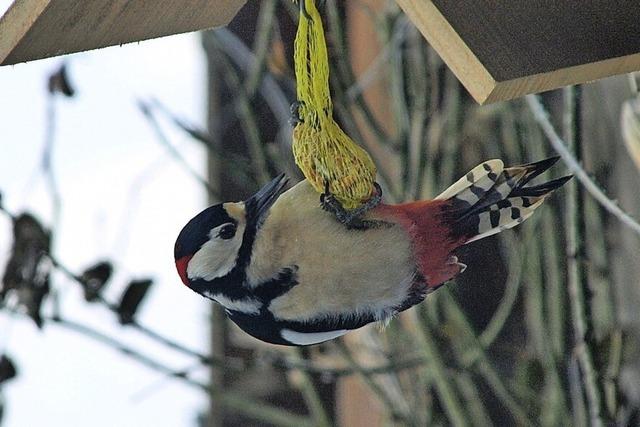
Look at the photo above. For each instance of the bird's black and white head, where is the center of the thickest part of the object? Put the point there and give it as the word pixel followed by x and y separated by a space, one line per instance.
pixel 213 250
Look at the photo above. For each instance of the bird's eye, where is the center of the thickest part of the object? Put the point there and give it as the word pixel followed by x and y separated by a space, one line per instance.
pixel 227 231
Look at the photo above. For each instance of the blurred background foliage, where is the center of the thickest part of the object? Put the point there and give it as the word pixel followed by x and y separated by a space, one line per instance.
pixel 541 329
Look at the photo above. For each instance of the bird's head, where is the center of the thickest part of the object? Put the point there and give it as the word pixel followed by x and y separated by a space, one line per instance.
pixel 217 243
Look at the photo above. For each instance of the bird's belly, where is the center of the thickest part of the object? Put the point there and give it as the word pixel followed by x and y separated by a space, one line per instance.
pixel 327 289
pixel 339 270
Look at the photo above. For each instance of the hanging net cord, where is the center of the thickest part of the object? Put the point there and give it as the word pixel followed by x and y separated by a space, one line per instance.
pixel 326 155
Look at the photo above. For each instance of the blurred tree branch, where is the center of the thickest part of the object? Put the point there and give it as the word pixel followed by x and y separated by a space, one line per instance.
pixel 542 116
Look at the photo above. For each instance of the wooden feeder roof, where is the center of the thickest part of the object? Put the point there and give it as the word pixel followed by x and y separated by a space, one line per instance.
pixel 34 29
pixel 505 49
pixel 498 50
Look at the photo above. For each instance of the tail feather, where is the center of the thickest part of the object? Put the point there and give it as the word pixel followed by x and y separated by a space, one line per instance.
pixel 542 189
pixel 495 219
pixel 502 187
pixel 482 176
pixel 536 168
pixel 492 198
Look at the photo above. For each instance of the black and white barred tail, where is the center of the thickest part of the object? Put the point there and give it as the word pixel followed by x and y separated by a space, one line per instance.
pixel 492 198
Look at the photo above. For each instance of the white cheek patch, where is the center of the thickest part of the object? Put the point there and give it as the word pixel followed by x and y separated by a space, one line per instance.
pixel 216 258
pixel 307 338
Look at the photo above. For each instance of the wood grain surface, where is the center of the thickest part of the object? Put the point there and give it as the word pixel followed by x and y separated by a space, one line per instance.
pixel 502 52
pixel 34 29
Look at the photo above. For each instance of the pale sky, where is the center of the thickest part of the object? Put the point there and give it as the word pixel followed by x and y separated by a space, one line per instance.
pixel 124 198
pixel 4 5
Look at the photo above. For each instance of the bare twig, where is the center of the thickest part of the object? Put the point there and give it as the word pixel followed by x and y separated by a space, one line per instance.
pixel 121 347
pixel 148 114
pixel 242 56
pixel 578 407
pixel 373 72
pixel 511 289
pixel 469 390
pixel 47 160
pixel 346 76
pixel 135 324
pixel 114 308
pixel 542 117
pixel 312 397
pixel 264 29
pixel 235 401
pixel 373 386
pixel 276 360
pixel 249 121
pixel 633 82
pixel 442 382
pixel 238 162
pixel 577 278
pixel 476 355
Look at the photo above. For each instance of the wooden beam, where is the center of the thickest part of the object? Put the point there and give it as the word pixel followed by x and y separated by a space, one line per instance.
pixel 35 29
pixel 531 46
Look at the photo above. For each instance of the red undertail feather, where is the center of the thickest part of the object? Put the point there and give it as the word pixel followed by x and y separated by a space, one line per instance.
pixel 432 239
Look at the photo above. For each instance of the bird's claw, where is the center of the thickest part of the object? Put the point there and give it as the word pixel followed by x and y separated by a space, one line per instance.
pixel 352 219
pixel 453 260
pixel 294 109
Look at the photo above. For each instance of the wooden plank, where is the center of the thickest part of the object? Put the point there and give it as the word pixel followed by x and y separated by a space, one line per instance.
pixel 35 29
pixel 532 45
pixel 450 46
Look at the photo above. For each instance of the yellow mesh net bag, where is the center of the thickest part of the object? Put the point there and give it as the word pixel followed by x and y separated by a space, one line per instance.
pixel 324 153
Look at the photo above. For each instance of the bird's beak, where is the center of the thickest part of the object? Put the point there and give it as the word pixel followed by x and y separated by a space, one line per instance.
pixel 257 206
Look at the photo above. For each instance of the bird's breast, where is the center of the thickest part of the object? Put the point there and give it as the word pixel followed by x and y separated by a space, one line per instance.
pixel 338 270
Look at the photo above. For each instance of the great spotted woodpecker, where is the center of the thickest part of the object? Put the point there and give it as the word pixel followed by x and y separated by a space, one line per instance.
pixel 288 273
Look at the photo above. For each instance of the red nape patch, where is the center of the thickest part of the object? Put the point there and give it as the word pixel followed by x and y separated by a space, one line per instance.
pixel 181 265
pixel 431 238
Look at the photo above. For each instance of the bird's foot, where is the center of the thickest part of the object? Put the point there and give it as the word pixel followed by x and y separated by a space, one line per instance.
pixel 295 118
pixel 453 261
pixel 352 219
